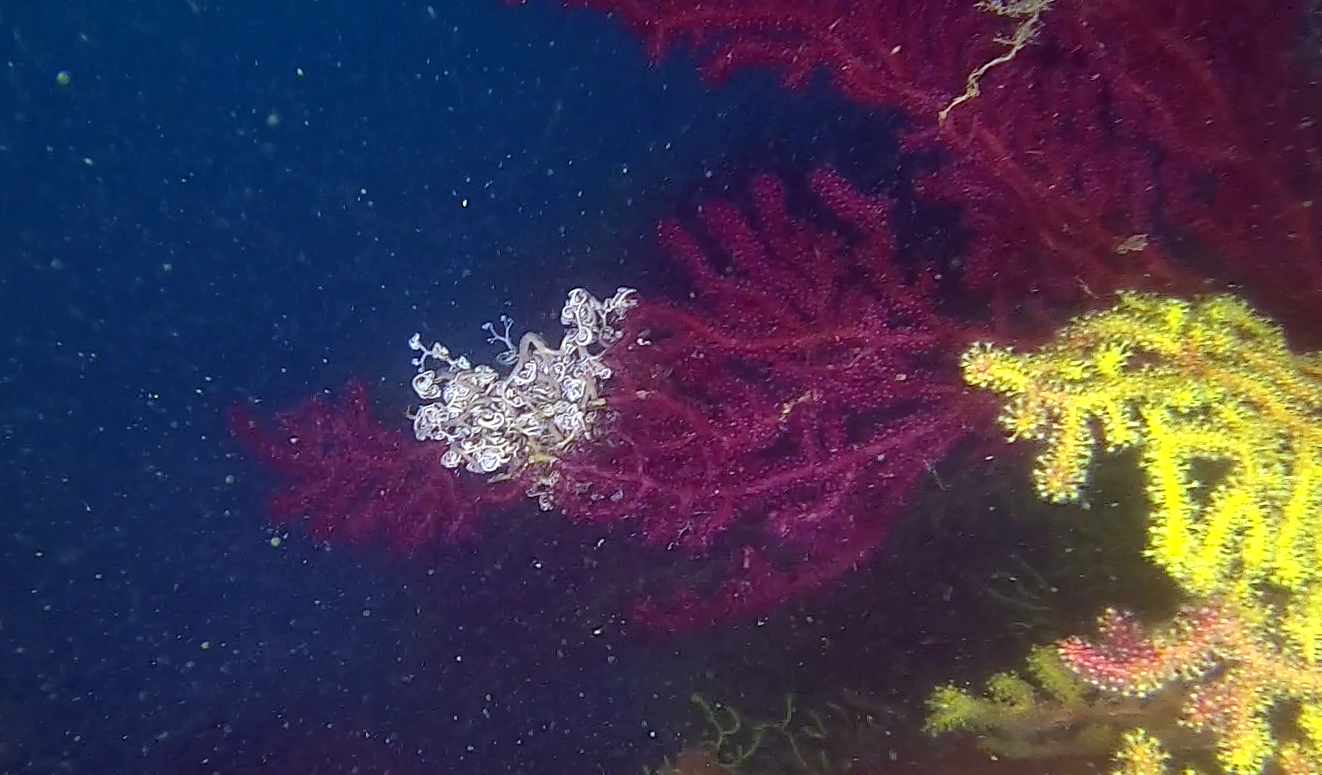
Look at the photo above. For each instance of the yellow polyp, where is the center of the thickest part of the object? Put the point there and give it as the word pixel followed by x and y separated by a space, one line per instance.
pixel 1112 357
pixel 1074 370
pixel 1176 314
pixel 1247 749
pixel 1023 419
pixel 1140 754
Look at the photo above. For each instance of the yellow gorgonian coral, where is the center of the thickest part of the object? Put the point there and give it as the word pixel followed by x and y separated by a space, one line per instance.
pixel 1228 422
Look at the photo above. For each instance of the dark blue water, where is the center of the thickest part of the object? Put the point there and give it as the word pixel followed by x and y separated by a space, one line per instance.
pixel 207 202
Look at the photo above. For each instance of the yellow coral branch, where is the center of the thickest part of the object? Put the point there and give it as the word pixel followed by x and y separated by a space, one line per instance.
pixel 1226 417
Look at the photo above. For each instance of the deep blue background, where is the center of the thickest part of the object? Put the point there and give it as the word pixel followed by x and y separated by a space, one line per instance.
pixel 236 201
